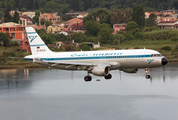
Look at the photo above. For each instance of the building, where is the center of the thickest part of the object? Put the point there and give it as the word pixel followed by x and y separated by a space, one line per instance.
pixel 67 44
pixel 13 12
pixel 54 29
pixel 29 14
pixel 167 19
pixel 75 14
pixel 119 27
pixel 24 44
pixel 147 14
pixel 77 27
pixel 75 20
pixel 17 31
pixel 93 45
pixel 164 25
pixel 25 20
pixel 170 11
pixel 65 33
pixel 37 27
pixel 74 25
pixel 82 15
pixel 50 17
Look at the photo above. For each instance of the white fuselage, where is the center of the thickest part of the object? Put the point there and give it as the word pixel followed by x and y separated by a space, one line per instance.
pixel 117 59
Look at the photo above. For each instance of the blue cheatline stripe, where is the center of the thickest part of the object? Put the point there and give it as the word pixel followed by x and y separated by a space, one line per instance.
pixel 31 32
pixel 38 45
pixel 27 59
pixel 96 57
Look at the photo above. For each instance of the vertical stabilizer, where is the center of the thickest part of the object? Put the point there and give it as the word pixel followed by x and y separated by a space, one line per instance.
pixel 36 43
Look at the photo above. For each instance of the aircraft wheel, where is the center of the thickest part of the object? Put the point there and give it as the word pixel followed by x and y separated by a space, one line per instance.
pixel 87 78
pixel 109 76
pixel 147 76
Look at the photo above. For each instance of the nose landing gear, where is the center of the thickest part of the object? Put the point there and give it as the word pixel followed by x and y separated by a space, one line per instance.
pixel 147 76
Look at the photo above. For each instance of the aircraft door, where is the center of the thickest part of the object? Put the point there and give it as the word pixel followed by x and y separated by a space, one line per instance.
pixel 142 54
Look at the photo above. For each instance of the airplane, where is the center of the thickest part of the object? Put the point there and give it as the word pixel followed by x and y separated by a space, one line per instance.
pixel 98 63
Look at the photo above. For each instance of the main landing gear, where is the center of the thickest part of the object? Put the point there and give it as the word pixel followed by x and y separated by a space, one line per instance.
pixel 146 71
pixel 88 78
pixel 109 76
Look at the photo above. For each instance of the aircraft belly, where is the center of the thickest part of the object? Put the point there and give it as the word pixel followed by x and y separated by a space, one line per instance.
pixel 133 63
pixel 140 63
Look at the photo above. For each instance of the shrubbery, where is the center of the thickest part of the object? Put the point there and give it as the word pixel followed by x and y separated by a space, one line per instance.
pixel 166 48
pixel 174 39
pixel 161 34
pixel 148 29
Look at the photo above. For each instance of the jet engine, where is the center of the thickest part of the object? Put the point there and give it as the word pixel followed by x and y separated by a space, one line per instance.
pixel 100 70
pixel 129 70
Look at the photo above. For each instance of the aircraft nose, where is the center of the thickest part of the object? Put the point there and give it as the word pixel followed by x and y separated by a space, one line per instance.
pixel 164 61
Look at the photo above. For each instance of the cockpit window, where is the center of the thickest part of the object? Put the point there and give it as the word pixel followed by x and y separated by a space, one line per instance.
pixel 156 55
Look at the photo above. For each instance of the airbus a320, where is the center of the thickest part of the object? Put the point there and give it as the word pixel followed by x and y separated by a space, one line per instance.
pixel 98 63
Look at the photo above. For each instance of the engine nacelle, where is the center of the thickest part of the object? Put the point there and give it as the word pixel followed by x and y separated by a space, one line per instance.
pixel 100 71
pixel 129 70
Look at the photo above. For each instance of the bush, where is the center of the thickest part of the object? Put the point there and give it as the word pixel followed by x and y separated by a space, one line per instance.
pixel 136 47
pixel 84 47
pixel 174 39
pixel 139 35
pixel 166 48
pixel 161 34
pixel 147 29
pixel 176 48
pixel 68 48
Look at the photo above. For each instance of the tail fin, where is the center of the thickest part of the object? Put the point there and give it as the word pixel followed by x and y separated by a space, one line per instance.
pixel 36 43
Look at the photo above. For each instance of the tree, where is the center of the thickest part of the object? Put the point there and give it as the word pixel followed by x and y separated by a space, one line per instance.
pixel 131 26
pixel 7 17
pixel 100 15
pixel 48 23
pixel 152 20
pixel 92 28
pixel 42 21
pixel 36 17
pixel 23 9
pixel 5 38
pixel 105 34
pixel 16 17
pixel 51 5
pixel 46 38
pixel 120 16
pixel 103 15
pixel 78 37
pixel 60 37
pixel 138 15
pixel 35 4
pixel 41 32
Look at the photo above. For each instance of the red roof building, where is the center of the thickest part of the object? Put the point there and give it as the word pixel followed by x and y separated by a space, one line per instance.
pixel 77 27
pixel 50 17
pixel 168 25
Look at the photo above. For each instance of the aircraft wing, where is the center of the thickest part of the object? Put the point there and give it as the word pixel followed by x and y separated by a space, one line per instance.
pixel 75 64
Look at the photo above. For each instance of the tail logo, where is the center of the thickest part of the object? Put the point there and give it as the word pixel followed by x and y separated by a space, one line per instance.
pixel 32 38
